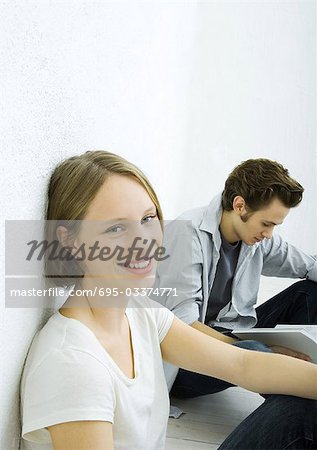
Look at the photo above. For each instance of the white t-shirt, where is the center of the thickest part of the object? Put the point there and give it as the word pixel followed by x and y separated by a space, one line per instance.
pixel 69 376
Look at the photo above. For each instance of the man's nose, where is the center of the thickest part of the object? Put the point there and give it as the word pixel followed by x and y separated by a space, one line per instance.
pixel 267 233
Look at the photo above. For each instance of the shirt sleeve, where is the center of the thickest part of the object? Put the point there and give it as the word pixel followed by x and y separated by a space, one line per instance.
pixel 69 385
pixel 282 259
pixel 181 272
pixel 163 317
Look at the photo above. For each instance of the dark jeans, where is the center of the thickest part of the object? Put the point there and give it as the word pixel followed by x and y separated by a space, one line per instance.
pixel 282 422
pixel 295 305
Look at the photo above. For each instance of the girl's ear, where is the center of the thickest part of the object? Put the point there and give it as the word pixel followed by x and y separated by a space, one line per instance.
pixel 65 239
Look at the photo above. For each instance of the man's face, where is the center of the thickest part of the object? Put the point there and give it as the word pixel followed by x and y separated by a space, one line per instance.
pixel 254 227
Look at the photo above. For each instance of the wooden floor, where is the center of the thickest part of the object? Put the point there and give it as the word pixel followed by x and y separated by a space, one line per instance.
pixel 208 420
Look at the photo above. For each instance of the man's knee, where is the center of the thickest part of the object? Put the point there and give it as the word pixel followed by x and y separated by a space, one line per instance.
pixel 291 406
pixel 253 345
pixel 308 287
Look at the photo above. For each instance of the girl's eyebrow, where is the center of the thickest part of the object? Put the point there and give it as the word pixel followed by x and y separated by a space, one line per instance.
pixel 151 209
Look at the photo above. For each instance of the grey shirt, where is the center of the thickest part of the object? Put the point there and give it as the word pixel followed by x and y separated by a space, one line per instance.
pixel 221 291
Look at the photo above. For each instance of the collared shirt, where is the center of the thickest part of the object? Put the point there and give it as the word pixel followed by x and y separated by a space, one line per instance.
pixel 193 244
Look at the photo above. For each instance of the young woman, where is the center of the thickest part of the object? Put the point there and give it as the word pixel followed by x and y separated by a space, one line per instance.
pixel 93 378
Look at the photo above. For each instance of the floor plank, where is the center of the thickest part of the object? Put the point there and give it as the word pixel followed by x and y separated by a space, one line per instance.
pixel 209 419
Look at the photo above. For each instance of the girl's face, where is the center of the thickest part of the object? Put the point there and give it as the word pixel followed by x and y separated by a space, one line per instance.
pixel 121 233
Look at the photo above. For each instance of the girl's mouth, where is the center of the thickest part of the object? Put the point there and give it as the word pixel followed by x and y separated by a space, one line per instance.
pixel 138 267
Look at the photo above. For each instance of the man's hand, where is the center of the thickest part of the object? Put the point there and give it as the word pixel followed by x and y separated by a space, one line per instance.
pixel 289 352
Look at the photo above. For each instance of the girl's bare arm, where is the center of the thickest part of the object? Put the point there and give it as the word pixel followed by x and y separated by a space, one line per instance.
pixel 267 373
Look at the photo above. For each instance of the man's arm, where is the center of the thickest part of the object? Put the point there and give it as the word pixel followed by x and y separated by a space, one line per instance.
pixel 213 333
pixel 181 272
pixel 281 259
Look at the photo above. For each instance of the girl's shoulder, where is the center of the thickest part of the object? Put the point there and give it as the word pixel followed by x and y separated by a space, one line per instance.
pixel 147 311
pixel 60 339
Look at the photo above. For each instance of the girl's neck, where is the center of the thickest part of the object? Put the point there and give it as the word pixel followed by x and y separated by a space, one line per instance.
pixel 104 312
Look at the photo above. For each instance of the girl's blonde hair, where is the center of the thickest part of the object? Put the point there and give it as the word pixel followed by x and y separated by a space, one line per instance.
pixel 73 185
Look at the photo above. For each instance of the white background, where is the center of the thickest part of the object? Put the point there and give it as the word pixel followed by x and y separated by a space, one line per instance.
pixel 185 90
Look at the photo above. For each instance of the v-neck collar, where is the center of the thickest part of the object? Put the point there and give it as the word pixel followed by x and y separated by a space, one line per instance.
pixel 114 365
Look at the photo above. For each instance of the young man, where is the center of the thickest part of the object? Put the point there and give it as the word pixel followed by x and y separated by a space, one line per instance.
pixel 232 244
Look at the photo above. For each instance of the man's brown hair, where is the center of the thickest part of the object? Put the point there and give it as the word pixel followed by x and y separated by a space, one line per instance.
pixel 259 181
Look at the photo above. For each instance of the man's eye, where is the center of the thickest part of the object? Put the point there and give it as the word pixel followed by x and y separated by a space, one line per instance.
pixel 148 218
pixel 115 229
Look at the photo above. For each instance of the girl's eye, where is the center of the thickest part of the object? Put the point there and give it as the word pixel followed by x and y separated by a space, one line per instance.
pixel 266 225
pixel 115 229
pixel 148 218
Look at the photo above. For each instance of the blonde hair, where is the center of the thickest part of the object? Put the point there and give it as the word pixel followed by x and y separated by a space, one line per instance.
pixel 73 185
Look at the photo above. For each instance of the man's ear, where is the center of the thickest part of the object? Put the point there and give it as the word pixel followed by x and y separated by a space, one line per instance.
pixel 239 205
pixel 65 239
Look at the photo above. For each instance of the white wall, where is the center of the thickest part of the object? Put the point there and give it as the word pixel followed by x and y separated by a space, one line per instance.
pixel 184 89
pixel 253 94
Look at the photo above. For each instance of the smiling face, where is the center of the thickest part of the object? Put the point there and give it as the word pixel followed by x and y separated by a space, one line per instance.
pixel 254 227
pixel 121 213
